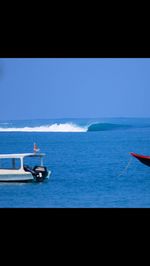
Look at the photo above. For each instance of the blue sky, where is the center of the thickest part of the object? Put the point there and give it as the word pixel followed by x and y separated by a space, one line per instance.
pixel 74 87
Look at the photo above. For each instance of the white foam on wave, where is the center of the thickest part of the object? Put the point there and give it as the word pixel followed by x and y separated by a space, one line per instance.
pixel 67 127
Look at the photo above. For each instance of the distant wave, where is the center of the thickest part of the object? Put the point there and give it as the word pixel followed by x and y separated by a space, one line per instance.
pixel 66 127
pixel 106 126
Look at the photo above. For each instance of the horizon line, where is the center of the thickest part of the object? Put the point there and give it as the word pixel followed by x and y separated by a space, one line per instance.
pixel 59 118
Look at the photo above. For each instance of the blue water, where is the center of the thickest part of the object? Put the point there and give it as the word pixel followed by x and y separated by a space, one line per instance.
pixel 89 168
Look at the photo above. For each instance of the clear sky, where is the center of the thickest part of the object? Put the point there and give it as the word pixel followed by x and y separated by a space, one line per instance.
pixel 74 87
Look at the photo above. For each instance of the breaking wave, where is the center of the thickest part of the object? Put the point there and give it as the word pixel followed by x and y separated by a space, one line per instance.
pixel 66 127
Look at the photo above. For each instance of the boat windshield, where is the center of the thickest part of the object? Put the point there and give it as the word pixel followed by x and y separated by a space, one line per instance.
pixel 10 163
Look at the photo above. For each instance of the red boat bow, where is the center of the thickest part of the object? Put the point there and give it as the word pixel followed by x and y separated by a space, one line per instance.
pixel 142 158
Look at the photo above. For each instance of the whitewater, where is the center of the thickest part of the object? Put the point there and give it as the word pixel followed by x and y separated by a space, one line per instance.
pixel 67 127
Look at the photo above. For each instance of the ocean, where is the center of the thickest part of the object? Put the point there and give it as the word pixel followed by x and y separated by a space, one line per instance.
pixel 90 162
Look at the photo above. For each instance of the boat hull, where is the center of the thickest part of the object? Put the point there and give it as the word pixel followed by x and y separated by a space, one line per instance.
pixel 142 158
pixel 26 177
pixel 6 178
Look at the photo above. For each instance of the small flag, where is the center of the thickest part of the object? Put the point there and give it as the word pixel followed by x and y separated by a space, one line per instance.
pixel 35 148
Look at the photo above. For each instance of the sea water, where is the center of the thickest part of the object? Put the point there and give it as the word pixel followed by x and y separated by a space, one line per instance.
pixel 89 159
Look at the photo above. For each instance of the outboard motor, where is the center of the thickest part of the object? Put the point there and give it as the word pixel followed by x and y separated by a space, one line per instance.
pixel 40 173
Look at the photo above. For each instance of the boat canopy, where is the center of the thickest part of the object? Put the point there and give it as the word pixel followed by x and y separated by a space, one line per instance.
pixel 22 155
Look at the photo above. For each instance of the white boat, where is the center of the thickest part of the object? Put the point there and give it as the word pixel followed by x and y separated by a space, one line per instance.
pixel 23 167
